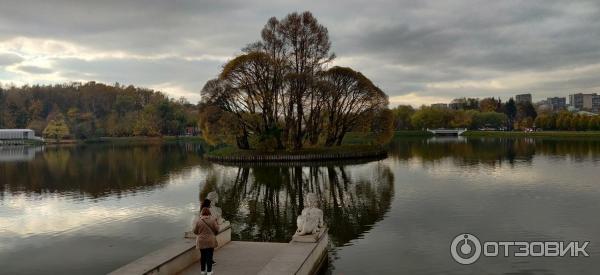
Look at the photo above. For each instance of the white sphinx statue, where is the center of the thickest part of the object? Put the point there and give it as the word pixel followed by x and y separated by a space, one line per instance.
pixel 311 220
pixel 215 211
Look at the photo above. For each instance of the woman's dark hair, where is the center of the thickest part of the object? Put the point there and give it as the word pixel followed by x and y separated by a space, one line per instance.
pixel 205 203
pixel 205 211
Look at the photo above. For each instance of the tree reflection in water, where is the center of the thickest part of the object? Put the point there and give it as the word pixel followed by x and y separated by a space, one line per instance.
pixel 97 170
pixel 262 202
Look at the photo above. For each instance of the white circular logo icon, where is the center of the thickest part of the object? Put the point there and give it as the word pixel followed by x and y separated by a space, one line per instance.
pixel 465 249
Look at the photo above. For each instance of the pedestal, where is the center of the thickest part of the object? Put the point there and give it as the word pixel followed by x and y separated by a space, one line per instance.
pixel 312 238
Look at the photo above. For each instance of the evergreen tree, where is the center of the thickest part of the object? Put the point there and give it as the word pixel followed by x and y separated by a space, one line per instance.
pixel 510 109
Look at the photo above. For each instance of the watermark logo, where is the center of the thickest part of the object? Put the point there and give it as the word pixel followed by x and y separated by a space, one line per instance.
pixel 466 249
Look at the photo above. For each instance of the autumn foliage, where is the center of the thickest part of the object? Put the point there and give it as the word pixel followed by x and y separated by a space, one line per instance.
pixel 281 92
pixel 91 110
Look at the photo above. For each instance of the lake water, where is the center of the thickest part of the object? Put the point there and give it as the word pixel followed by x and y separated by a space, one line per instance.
pixel 90 209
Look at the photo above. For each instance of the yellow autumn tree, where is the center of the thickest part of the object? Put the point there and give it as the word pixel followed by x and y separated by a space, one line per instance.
pixel 57 128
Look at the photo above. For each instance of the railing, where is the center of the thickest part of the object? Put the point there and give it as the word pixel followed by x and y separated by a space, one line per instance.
pixel 299 157
pixel 458 131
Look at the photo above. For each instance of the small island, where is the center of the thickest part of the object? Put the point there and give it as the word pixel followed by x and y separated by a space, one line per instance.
pixel 280 100
pixel 232 154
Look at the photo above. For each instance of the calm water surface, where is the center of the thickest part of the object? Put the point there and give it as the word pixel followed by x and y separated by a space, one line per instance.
pixel 90 209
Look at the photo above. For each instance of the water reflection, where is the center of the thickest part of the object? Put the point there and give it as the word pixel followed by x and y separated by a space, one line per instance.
pixel 19 153
pixel 115 203
pixel 63 234
pixel 497 189
pixel 492 151
pixel 263 202
pixel 93 170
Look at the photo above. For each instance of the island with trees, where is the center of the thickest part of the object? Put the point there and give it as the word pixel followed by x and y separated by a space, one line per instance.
pixel 280 98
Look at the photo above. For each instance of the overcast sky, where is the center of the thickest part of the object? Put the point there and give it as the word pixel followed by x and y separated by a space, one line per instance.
pixel 418 52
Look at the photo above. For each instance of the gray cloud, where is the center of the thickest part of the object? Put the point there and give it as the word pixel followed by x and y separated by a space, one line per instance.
pixel 175 76
pixel 427 48
pixel 9 59
pixel 34 69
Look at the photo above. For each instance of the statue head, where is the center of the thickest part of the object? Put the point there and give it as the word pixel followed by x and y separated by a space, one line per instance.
pixel 213 197
pixel 311 200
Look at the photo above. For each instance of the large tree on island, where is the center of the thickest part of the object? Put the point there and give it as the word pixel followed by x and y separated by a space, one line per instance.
pixel 280 92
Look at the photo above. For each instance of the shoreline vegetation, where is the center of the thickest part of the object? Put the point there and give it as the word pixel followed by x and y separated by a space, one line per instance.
pixel 352 139
pixel 125 140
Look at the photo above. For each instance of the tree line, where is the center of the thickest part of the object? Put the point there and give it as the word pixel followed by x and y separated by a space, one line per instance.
pixel 568 121
pixel 472 113
pixel 492 113
pixel 89 110
pixel 281 94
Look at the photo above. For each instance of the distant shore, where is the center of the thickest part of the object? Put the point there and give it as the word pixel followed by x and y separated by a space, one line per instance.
pixel 476 133
pixel 125 140
pixel 353 142
pixel 540 134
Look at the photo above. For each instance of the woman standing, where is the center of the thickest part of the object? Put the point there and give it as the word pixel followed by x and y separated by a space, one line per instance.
pixel 206 230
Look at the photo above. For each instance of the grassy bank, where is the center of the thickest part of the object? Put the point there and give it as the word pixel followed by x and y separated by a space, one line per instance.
pixel 135 140
pixel 61 141
pixel 187 139
pixel 544 134
pixel 412 133
pixel 20 142
pixel 358 138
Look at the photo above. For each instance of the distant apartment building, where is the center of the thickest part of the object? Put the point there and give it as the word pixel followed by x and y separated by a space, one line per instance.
pixel 464 103
pixel 523 98
pixel 587 102
pixel 596 104
pixel 439 106
pixel 557 103
pixel 457 103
